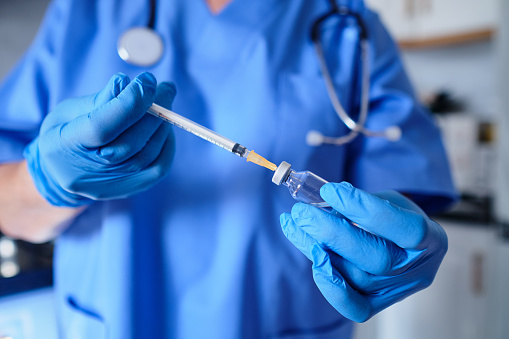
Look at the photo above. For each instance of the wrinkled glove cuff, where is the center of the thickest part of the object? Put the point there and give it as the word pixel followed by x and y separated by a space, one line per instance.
pixel 50 190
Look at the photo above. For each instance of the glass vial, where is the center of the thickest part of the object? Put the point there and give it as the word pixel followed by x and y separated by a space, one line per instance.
pixel 303 186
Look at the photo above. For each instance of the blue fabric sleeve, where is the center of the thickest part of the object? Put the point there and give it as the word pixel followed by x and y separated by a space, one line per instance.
pixel 24 94
pixel 417 164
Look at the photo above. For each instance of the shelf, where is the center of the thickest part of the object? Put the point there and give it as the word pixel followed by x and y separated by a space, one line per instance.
pixel 448 40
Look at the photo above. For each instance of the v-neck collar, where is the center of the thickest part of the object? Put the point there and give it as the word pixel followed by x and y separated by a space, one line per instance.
pixel 222 35
pixel 242 10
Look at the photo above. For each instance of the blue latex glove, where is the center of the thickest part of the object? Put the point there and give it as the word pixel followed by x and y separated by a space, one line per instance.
pixel 103 146
pixel 395 251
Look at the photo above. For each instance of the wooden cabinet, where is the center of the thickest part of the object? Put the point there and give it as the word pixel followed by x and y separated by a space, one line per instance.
pixel 421 23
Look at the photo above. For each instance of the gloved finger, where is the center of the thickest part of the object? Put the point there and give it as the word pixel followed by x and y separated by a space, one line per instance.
pixel 358 279
pixel 367 251
pixel 399 200
pixel 130 142
pixel 404 227
pixel 137 136
pixel 158 168
pixel 117 83
pixel 74 107
pixel 347 301
pixel 107 122
pixel 130 183
pixel 151 152
pixel 382 291
pixel 297 236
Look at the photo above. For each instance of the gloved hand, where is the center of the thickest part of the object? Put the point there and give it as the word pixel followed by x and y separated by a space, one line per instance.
pixel 103 146
pixel 394 251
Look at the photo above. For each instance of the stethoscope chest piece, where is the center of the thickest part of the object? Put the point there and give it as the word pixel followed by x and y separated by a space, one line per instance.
pixel 140 46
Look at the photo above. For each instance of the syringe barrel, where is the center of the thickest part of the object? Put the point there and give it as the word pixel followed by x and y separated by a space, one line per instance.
pixel 196 129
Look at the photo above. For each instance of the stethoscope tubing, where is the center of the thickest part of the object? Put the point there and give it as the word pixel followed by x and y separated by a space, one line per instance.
pixel 152 18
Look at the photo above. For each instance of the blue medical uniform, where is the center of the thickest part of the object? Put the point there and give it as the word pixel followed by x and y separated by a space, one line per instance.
pixel 201 254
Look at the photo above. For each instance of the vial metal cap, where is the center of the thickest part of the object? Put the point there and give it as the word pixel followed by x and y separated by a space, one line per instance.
pixel 281 173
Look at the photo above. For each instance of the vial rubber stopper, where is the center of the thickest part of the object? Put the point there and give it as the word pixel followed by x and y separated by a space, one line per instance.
pixel 281 173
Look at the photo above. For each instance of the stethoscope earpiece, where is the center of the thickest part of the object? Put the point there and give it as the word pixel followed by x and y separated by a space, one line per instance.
pixel 314 138
pixel 393 133
pixel 140 46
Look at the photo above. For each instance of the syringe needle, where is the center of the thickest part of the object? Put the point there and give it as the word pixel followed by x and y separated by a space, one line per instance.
pixel 259 160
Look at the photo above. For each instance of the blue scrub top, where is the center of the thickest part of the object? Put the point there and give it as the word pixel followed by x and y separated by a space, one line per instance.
pixel 201 254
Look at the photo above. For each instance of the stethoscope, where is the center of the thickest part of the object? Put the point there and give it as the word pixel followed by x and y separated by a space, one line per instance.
pixel 143 46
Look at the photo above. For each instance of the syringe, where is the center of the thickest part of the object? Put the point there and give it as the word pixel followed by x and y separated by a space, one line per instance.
pixel 304 186
pixel 198 130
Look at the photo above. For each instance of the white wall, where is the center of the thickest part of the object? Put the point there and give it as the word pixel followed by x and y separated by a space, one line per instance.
pixel 469 73
pixel 467 70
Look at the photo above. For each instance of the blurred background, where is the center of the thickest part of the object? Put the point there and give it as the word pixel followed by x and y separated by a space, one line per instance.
pixel 457 55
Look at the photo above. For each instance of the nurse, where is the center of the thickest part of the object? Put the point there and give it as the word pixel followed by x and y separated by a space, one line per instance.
pixel 161 235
